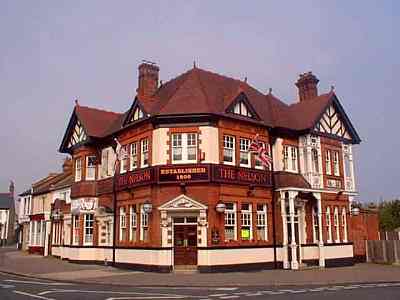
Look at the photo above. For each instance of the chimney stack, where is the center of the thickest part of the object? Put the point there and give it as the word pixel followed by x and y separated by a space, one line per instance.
pixel 307 85
pixel 148 79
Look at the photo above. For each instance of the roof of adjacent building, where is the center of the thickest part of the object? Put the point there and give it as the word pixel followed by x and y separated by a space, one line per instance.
pixel 48 183
pixel 6 201
pixel 286 179
pixel 198 91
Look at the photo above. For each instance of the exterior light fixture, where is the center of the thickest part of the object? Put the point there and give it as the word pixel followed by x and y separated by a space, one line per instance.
pixel 147 207
pixel 355 211
pixel 220 207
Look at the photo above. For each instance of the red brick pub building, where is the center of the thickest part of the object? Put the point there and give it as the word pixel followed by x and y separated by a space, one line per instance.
pixel 189 192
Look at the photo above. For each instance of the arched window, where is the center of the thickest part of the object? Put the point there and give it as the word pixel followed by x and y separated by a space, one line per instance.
pixel 344 224
pixel 336 224
pixel 328 225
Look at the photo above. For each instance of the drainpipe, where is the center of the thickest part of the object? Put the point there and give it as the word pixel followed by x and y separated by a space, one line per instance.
pixel 273 200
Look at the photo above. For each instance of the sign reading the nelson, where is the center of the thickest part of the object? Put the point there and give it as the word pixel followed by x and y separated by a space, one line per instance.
pixel 241 176
pixel 136 178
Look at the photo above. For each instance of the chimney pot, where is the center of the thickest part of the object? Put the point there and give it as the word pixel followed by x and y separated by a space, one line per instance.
pixel 307 85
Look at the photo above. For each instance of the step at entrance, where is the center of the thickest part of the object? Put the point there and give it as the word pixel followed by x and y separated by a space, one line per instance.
pixel 187 269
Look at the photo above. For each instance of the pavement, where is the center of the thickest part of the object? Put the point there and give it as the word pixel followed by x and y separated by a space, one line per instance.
pixel 19 263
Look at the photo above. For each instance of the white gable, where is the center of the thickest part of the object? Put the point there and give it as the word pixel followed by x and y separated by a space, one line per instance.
pixel 331 123
pixel 184 203
pixel 78 135
pixel 241 108
pixel 137 114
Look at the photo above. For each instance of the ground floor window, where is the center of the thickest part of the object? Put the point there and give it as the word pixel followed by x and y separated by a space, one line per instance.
pixel 133 223
pixel 37 233
pixel 315 225
pixel 144 228
pixel 344 224
pixel 122 224
pixel 262 228
pixel 88 229
pixel 246 222
pixel 57 233
pixel 230 222
pixel 75 230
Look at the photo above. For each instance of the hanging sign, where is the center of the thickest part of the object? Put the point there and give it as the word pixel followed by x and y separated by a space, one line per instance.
pixel 84 204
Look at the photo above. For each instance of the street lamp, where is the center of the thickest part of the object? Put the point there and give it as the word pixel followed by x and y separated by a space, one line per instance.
pixel 220 207
pixel 147 207
pixel 355 211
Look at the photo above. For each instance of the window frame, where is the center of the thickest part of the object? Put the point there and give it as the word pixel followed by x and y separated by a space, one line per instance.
pixel 230 220
pixel 232 149
pixel 122 223
pixel 262 215
pixel 88 237
pixel 336 163
pixel 246 221
pixel 90 170
pixel 144 152
pixel 328 224
pixel 132 223
pixel 244 144
pixel 133 156
pixel 78 169
pixel 328 162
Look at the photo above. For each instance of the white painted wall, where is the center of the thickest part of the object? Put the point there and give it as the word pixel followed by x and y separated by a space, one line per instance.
pixel 209 144
pixel 159 146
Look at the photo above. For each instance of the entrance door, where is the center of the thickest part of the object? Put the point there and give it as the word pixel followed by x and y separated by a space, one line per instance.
pixel 185 245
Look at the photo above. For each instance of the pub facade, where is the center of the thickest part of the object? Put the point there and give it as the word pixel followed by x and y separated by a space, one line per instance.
pixel 189 193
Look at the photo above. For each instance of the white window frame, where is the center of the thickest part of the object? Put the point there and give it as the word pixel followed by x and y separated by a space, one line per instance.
pixel 290 158
pixel 123 164
pixel 336 224
pixel 133 156
pixel 315 224
pixel 336 169
pixel 184 143
pixel 229 146
pixel 262 221
pixel 315 161
pixel 90 170
pixel 133 223
pixel 88 237
pixel 328 224
pixel 328 166
pixel 244 150
pixel 285 157
pixel 144 146
pixel 294 159
pixel 344 224
pixel 230 220
pixel 246 221
pixel 144 224
pixel 75 229
pixel 78 169
pixel 241 109
pixel 122 223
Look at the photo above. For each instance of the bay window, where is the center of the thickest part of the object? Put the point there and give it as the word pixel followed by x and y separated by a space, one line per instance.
pixel 328 225
pixel 262 228
pixel 336 224
pixel 122 224
pixel 246 222
pixel 144 157
pixel 285 158
pixel 88 229
pixel 229 150
pixel 230 222
pixel 133 223
pixel 244 152
pixel 90 167
pixel 328 162
pixel 78 169
pixel 294 158
pixel 133 156
pixel 336 171
pixel 314 158
pixel 290 162
pixel 123 164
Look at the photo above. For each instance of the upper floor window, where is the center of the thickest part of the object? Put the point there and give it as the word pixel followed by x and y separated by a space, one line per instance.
pixel 314 159
pixel 244 152
pixel 90 167
pixel 241 109
pixel 107 162
pixel 328 162
pixel 229 150
pixel 145 153
pixel 133 156
pixel 290 162
pixel 184 147
pixel 138 114
pixel 124 161
pixel 230 222
pixel 336 171
pixel 78 169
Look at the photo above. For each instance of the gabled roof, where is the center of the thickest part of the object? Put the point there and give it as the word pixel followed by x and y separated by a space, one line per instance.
pixel 6 201
pixel 199 91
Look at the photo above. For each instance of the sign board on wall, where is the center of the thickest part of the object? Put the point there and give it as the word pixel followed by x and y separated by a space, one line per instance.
pixel 84 204
pixel 227 174
pixel 183 173
pixel 135 178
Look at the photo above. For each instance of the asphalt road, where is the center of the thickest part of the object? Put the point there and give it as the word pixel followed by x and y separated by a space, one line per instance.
pixel 15 287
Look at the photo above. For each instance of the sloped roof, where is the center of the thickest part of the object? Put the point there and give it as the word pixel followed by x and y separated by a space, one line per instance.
pixel 48 183
pixel 286 179
pixel 198 91
pixel 6 201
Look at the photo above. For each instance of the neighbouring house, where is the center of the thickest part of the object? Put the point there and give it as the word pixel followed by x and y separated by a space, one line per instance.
pixel 189 192
pixel 25 205
pixel 7 217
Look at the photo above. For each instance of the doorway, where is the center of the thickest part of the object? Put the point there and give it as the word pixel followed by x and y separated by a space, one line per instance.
pixel 185 244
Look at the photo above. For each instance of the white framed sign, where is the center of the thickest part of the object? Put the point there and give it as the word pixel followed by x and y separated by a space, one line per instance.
pixel 84 204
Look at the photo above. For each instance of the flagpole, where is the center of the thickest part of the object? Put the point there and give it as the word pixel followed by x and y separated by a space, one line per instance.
pixel 273 202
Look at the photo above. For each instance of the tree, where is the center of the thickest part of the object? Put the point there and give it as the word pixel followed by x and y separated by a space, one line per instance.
pixel 389 215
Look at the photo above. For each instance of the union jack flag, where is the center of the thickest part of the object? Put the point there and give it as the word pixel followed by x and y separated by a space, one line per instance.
pixel 120 151
pixel 261 151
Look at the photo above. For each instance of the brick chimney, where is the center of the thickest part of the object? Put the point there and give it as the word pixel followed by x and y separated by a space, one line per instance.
pixel 148 79
pixel 67 165
pixel 307 85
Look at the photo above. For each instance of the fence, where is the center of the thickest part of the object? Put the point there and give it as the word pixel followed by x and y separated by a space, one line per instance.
pixel 383 251
pixel 389 235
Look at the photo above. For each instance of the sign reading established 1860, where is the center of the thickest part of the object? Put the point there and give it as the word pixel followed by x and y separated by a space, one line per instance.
pixel 186 173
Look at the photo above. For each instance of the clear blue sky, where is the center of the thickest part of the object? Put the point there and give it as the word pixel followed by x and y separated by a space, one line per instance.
pixel 54 51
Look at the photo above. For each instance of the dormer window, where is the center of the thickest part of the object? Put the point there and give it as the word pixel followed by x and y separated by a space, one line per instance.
pixel 241 109
pixel 137 114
